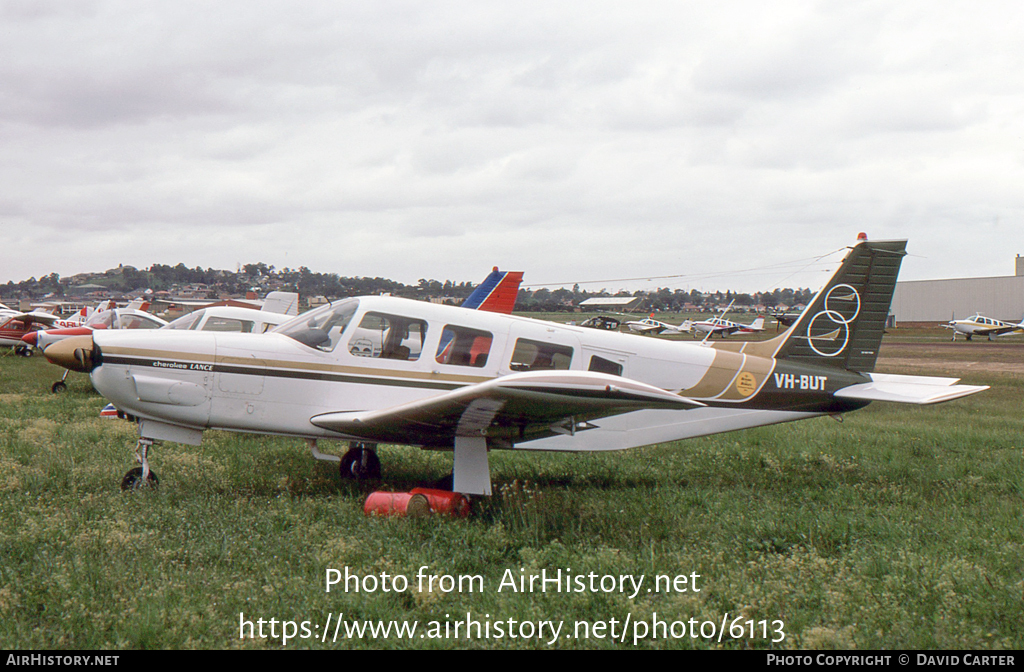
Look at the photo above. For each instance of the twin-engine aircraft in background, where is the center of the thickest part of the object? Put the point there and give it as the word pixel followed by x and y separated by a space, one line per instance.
pixel 979 325
pixel 472 381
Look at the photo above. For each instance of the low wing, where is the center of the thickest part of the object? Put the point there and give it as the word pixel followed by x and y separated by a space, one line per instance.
pixel 909 389
pixel 999 331
pixel 513 408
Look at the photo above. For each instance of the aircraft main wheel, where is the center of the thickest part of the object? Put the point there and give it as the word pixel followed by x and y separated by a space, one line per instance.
pixel 360 464
pixel 58 387
pixel 24 352
pixel 133 480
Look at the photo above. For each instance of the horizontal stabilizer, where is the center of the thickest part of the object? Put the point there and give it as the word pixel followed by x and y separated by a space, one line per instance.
pixel 909 389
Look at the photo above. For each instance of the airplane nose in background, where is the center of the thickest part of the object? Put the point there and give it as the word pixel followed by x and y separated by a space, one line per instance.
pixel 30 338
pixel 75 353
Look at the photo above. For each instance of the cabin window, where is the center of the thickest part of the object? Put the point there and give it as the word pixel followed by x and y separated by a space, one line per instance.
pixel 388 337
pixel 602 365
pixel 461 346
pixel 321 328
pixel 539 356
pixel 228 324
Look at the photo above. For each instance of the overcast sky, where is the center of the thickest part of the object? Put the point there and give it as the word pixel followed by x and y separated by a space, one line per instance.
pixel 575 141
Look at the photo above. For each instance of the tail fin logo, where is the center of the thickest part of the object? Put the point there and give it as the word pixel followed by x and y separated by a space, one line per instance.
pixel 828 332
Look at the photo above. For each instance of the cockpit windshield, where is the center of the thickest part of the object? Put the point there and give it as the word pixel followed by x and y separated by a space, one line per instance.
pixel 321 328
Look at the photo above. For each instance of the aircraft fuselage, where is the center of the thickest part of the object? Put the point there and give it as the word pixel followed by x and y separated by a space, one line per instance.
pixel 393 351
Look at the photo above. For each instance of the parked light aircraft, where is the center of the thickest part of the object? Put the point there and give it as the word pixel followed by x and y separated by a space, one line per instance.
pixel 229 318
pixel 507 383
pixel 649 325
pixel 724 327
pixel 15 324
pixel 979 325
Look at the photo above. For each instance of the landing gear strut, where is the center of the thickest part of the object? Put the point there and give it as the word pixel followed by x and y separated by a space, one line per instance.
pixel 140 477
pixel 360 462
pixel 60 385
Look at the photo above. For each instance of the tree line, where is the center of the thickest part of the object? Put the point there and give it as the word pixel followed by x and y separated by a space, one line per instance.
pixel 158 277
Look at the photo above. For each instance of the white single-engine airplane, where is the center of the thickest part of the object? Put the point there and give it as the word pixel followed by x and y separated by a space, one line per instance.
pixel 724 327
pixel 473 381
pixel 979 325
pixel 649 325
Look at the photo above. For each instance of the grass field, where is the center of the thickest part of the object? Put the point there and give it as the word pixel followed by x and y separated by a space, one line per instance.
pixel 898 528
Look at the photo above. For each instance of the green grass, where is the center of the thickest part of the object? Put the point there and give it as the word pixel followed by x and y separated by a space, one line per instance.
pixel 898 528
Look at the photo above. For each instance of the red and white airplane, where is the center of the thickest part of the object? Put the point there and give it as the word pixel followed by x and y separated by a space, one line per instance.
pixel 16 324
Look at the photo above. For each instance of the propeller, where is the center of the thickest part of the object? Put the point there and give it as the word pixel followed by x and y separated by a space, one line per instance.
pixel 76 353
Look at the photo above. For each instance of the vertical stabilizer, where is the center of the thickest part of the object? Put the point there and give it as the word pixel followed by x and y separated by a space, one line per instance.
pixel 843 325
pixel 497 293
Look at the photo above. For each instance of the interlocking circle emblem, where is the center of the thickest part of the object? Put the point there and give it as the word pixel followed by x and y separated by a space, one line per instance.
pixel 828 332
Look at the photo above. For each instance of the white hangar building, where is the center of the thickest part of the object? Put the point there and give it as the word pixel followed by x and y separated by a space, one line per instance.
pixel 938 300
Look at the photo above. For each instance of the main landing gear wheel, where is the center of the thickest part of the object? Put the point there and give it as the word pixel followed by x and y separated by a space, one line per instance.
pixel 58 387
pixel 133 480
pixel 24 351
pixel 360 463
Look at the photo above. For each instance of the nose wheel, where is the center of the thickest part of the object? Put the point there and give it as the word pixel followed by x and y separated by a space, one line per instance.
pixel 60 385
pixel 142 476
pixel 134 480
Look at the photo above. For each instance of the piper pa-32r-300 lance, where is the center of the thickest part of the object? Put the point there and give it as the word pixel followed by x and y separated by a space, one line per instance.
pixel 471 381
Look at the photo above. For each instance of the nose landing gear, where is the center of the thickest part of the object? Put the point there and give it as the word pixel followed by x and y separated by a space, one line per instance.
pixel 142 476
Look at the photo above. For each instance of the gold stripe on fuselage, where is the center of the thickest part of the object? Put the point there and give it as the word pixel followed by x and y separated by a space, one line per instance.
pixel 285 365
pixel 732 376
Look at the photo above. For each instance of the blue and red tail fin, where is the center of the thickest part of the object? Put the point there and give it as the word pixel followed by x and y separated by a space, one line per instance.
pixel 497 293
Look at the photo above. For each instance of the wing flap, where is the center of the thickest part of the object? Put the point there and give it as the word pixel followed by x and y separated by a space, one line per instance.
pixel 513 407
